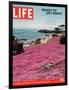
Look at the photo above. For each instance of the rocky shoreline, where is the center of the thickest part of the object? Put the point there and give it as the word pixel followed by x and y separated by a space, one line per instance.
pixel 37 41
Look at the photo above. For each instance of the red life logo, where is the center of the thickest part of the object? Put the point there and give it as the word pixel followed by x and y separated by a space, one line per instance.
pixel 22 13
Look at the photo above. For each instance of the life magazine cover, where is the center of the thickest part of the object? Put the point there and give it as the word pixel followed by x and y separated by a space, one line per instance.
pixel 38 37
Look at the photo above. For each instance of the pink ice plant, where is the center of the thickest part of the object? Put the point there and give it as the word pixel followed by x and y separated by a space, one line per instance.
pixel 28 65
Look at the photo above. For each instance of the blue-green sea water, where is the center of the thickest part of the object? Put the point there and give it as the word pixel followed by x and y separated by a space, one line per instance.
pixel 27 34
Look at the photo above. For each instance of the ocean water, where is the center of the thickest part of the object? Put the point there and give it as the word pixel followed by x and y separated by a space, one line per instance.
pixel 28 34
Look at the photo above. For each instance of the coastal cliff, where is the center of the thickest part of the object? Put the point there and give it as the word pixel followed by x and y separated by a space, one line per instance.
pixel 48 31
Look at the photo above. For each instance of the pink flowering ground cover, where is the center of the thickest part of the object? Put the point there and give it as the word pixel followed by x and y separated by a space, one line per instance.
pixel 29 65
